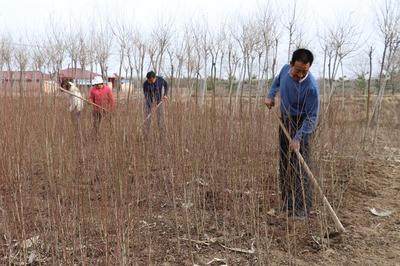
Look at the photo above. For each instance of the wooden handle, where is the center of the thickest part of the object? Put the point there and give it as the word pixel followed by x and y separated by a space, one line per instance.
pixel 83 99
pixel 148 116
pixel 332 213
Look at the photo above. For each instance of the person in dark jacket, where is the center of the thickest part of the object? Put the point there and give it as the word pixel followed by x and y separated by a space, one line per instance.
pixel 155 90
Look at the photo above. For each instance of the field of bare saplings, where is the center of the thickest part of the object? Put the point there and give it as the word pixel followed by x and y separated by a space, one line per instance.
pixel 205 193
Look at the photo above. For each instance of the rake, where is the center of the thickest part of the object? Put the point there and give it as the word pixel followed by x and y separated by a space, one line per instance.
pixel 332 213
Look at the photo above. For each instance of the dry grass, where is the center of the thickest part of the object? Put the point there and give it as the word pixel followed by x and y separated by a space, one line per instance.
pixel 209 186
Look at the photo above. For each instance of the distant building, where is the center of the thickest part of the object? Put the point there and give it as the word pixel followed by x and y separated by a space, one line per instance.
pixel 78 76
pixel 83 77
pixel 36 81
pixel 27 76
pixel 29 82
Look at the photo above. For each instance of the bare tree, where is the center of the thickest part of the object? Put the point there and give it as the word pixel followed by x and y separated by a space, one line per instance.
pixel 202 40
pixel 389 27
pixel 370 52
pixel 291 26
pixel 129 68
pixel 122 35
pixel 199 41
pixel 254 51
pixel 247 39
pixel 180 57
pixel 55 50
pixel 38 63
pixel 3 43
pixel 176 56
pixel 137 54
pixel 274 55
pixel 171 56
pixel 267 25
pixel 21 56
pixel 162 35
pixel 84 53
pixel 233 63
pixel 72 44
pixel 7 56
pixel 368 91
pixel 241 39
pixel 324 94
pixel 191 61
pixel 93 62
pixel 216 50
pixel 131 58
pixel 363 71
pixel 338 43
pixel 222 36
pixel 103 45
pixel 152 52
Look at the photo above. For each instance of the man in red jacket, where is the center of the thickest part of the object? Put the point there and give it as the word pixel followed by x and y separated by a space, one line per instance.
pixel 101 95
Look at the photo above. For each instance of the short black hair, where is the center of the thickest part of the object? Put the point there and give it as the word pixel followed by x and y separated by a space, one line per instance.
pixel 150 75
pixel 303 55
pixel 65 84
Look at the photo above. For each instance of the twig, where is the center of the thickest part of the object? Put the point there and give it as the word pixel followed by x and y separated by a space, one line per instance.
pixel 247 251
pixel 196 241
pixel 216 260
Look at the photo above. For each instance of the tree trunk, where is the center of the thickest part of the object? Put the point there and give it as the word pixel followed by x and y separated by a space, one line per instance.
pixel 369 84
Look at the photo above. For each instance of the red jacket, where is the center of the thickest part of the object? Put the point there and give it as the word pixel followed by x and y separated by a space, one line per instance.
pixel 102 97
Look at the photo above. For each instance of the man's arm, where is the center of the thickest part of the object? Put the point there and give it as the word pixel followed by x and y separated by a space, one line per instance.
pixel 270 99
pixel 145 90
pixel 165 85
pixel 275 85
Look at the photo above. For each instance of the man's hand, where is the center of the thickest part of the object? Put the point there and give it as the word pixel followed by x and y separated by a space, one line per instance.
pixel 269 103
pixel 294 145
pixel 165 98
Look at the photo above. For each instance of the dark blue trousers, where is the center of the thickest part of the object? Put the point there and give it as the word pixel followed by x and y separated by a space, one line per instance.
pixel 296 188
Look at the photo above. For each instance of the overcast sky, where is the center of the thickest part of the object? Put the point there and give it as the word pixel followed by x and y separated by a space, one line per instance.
pixel 27 16
pixel 24 14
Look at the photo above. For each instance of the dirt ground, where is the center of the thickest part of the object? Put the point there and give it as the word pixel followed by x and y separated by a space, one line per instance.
pixel 78 222
pixel 369 239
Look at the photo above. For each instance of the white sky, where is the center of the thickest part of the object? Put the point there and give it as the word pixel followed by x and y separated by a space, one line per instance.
pixel 27 16
pixel 23 14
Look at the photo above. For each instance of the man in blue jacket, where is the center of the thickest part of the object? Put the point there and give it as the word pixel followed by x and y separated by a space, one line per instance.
pixel 155 91
pixel 299 110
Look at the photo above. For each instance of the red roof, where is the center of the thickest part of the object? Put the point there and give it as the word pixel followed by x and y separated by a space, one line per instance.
pixel 27 75
pixel 70 73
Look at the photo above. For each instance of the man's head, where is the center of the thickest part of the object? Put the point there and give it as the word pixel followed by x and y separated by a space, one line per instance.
pixel 66 85
pixel 151 77
pixel 301 62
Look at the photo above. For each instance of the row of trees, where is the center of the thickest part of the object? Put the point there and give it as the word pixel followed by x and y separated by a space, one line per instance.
pixel 243 53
